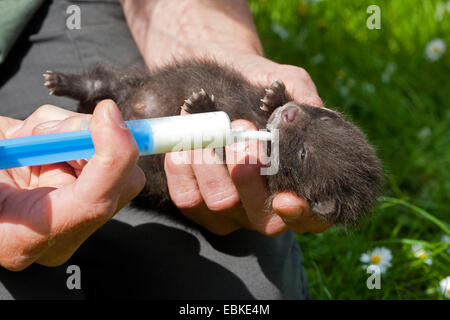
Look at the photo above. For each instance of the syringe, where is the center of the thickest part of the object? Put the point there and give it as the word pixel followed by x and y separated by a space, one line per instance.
pixel 153 136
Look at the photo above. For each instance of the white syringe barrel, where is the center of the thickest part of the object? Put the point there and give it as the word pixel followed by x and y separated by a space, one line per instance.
pixel 180 133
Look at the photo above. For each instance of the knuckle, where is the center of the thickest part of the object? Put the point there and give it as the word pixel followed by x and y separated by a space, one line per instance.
pixel 44 111
pixel 131 155
pixel 107 161
pixel 223 201
pixel 302 74
pixel 187 200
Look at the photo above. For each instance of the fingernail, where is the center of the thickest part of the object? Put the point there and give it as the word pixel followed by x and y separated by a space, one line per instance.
pixel 48 125
pixel 288 207
pixel 291 213
pixel 14 129
pixel 112 113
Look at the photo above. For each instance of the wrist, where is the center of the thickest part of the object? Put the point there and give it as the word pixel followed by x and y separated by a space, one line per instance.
pixel 181 29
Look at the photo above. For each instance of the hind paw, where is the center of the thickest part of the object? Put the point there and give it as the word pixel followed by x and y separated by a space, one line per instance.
pixel 199 102
pixel 275 96
pixel 53 81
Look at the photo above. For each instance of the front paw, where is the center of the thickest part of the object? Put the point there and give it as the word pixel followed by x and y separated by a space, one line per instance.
pixel 275 96
pixel 53 81
pixel 199 102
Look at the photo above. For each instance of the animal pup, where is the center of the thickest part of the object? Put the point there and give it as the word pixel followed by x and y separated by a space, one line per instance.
pixel 322 157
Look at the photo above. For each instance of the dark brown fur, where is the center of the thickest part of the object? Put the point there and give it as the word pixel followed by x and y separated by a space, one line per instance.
pixel 323 157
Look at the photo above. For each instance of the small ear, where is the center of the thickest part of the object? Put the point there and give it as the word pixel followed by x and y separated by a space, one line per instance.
pixel 325 207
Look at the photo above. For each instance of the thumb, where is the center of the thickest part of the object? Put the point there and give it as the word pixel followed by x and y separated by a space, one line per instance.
pixel 115 157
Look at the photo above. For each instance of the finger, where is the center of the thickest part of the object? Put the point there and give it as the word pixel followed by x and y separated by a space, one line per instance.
pixel 132 187
pixel 44 113
pixel 214 181
pixel 300 85
pixel 244 163
pixel 8 124
pixel 96 192
pixel 296 213
pixel 185 194
pixel 55 175
pixel 215 184
pixel 67 243
pixel 297 80
pixel 73 123
pixel 183 188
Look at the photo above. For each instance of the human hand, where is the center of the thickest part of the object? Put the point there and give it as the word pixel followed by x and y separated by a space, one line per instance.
pixel 47 212
pixel 222 198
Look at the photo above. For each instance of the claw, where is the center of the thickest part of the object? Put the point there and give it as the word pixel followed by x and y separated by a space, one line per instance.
pixel 278 82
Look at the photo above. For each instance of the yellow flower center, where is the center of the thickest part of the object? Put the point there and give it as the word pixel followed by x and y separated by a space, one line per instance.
pixel 375 259
pixel 435 49
pixel 448 291
pixel 423 255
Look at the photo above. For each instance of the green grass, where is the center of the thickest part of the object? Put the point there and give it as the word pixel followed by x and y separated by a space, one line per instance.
pixel 407 118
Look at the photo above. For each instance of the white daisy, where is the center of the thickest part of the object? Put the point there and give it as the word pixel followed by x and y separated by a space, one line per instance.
pixel 344 91
pixel 421 253
pixel 380 257
pixel 368 87
pixel 435 49
pixel 444 286
pixel 318 58
pixel 387 73
pixel 424 133
pixel 442 9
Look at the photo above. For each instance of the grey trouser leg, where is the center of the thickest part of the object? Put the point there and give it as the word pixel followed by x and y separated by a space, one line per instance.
pixel 139 253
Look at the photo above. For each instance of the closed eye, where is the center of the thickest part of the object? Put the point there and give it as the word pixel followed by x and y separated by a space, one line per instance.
pixel 303 154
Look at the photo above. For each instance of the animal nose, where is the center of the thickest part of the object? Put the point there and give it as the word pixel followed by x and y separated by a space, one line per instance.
pixel 289 113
